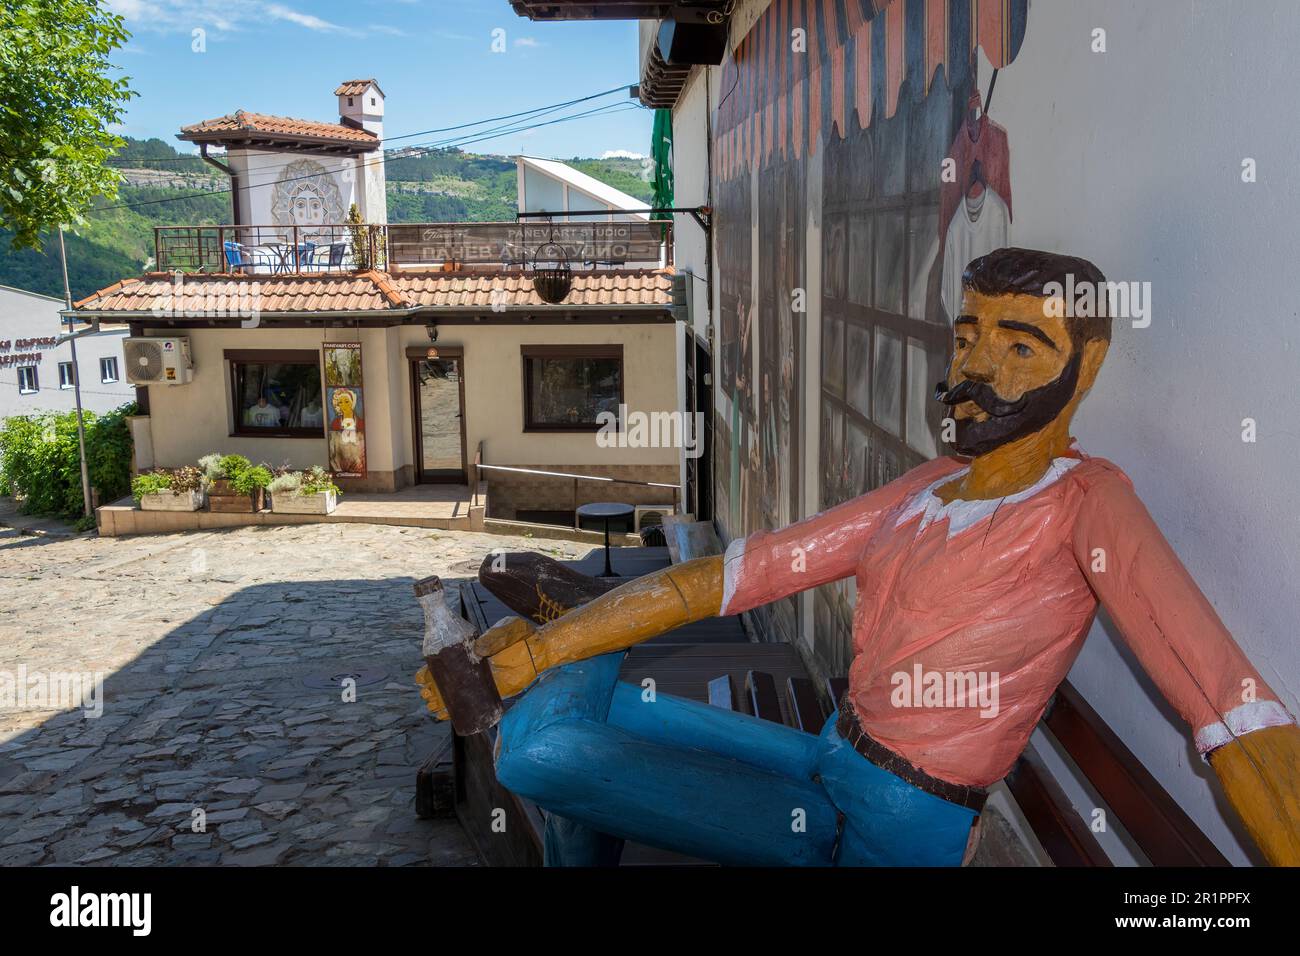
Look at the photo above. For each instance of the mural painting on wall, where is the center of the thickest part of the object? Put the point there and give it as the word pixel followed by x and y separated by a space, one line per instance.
pixel 866 117
pixel 306 195
pixel 343 404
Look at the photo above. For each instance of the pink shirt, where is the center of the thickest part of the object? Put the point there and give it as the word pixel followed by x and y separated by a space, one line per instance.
pixel 970 614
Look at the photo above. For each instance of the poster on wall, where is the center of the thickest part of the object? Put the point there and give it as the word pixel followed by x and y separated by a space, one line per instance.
pixel 346 433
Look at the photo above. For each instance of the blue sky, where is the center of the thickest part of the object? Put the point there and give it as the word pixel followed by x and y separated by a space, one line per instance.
pixel 433 59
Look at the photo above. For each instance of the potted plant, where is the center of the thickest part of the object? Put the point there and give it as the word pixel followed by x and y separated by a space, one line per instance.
pixel 162 490
pixel 310 492
pixel 235 483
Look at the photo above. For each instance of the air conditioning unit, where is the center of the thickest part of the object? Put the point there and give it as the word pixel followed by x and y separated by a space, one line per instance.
pixel 151 361
pixel 651 516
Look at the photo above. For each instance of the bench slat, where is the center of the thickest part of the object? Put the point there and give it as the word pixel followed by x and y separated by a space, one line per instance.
pixel 1061 830
pixel 801 695
pixel 836 688
pixel 760 688
pixel 1156 822
pixel 722 693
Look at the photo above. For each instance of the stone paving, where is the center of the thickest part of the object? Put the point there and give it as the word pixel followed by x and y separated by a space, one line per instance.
pixel 208 643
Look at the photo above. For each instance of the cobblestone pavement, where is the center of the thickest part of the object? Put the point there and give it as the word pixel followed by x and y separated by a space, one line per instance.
pixel 208 642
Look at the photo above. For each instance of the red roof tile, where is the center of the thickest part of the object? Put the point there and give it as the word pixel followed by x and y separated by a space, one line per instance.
pixel 229 296
pixel 244 122
pixel 355 87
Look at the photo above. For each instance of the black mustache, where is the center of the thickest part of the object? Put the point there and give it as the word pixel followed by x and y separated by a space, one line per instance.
pixel 982 395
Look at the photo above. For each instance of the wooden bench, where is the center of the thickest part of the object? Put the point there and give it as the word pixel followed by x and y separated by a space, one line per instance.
pixel 769 681
pixel 1159 827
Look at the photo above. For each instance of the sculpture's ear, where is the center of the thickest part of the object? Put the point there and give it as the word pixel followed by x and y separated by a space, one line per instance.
pixel 1094 353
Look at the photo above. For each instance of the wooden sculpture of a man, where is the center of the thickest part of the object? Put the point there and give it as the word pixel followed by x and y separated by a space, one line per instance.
pixel 988 565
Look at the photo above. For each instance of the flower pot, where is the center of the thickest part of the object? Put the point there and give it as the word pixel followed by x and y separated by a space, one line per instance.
pixel 289 503
pixel 223 497
pixel 166 501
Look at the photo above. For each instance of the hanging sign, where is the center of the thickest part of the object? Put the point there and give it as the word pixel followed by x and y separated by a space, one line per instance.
pixel 345 408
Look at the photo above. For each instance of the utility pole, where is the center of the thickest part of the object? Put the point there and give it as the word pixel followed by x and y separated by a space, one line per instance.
pixel 76 380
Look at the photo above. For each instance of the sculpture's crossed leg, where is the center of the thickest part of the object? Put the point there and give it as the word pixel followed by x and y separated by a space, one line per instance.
pixel 708 782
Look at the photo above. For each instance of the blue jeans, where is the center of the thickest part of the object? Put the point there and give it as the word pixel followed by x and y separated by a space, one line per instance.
pixel 709 782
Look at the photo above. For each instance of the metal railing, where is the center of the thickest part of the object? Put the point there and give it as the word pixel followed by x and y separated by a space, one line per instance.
pixel 269 250
pixel 442 246
pixel 676 489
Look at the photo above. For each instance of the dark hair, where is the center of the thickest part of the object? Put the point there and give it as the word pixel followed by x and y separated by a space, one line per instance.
pixel 1026 271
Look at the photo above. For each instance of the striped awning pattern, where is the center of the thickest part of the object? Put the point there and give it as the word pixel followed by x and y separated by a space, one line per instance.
pixel 784 91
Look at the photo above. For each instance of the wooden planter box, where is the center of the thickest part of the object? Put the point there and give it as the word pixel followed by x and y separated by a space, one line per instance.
pixel 166 501
pixel 223 497
pixel 294 504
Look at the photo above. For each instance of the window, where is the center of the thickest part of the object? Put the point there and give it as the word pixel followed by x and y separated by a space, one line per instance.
pixel 276 393
pixel 567 386
pixel 27 382
pixel 108 370
pixel 67 376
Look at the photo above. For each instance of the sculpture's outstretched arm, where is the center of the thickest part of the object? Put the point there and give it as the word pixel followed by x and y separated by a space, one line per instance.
pixel 1249 738
pixel 758 569
pixel 643 608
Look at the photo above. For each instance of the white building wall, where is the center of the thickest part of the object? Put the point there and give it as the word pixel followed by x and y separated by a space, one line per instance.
pixel 691 188
pixel 268 182
pixel 28 315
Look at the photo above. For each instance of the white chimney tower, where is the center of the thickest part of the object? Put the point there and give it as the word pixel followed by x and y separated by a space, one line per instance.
pixel 361 104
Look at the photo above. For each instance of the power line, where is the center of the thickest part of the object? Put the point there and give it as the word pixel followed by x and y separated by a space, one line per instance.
pixel 443 129
pixel 453 142
pixel 64 388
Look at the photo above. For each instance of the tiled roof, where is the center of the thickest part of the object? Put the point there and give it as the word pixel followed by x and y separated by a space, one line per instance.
pixel 356 87
pixel 475 290
pixel 242 121
pixel 226 296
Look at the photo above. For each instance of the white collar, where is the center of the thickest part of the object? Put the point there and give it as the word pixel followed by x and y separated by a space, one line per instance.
pixel 961 514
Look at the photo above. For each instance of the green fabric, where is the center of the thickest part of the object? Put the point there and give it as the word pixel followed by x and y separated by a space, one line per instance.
pixel 661 151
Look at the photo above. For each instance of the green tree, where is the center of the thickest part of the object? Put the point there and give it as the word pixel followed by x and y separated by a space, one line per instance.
pixel 57 102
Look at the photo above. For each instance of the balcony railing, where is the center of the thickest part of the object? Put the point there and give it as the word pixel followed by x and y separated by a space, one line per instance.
pixel 432 246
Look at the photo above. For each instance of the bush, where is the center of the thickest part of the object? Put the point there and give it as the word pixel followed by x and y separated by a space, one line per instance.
pixel 150 483
pixel 39 459
pixel 285 483
pixel 178 481
pixel 250 479
pixel 316 480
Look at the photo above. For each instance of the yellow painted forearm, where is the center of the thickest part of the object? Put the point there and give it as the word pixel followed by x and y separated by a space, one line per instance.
pixel 645 607
pixel 639 610
pixel 1260 773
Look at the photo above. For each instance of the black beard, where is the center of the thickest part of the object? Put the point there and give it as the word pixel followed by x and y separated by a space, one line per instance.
pixel 1008 421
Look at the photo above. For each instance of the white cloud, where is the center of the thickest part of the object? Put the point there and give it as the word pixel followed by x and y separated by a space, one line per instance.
pixel 621 154
pixel 182 16
pixel 278 12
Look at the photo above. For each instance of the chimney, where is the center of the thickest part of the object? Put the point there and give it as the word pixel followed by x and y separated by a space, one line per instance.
pixel 361 104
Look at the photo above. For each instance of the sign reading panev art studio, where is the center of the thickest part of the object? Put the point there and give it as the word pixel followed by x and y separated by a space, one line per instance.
pixel 346 434
pixel 510 243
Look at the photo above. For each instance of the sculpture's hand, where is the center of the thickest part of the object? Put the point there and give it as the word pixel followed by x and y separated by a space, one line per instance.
pixel 1260 773
pixel 514 663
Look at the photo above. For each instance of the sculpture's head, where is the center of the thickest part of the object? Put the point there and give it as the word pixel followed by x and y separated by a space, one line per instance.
pixel 1022 360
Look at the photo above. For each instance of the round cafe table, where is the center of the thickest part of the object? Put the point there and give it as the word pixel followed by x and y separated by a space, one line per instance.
pixel 606 511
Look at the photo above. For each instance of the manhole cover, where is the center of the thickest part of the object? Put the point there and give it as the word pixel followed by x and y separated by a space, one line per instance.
pixel 334 679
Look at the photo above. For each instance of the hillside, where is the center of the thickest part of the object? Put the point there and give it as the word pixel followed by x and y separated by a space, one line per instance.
pixel 162 187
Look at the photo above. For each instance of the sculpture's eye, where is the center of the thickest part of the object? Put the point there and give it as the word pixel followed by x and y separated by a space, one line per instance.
pixel 1024 351
pixel 962 343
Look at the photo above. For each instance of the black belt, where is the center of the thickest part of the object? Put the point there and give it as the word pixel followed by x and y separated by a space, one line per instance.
pixel 972 798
